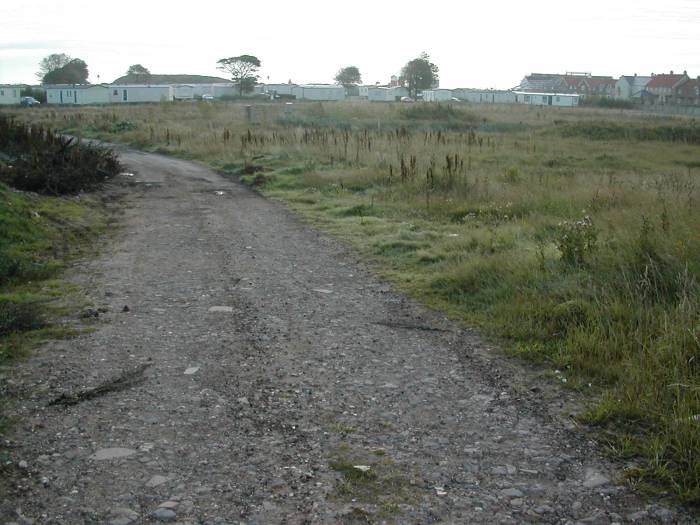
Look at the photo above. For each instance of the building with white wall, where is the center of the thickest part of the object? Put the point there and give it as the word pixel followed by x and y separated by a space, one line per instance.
pixel 386 94
pixel 484 96
pixel 69 94
pixel 547 99
pixel 133 93
pixel 437 95
pixel 630 87
pixel 320 92
pixel 89 94
pixel 9 94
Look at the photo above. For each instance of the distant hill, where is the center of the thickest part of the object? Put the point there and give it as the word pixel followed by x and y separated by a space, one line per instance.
pixel 168 79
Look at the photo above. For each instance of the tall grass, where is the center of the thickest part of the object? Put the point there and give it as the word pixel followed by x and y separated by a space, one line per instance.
pixel 570 234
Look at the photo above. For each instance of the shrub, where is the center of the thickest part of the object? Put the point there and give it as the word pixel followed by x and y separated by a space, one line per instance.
pixel 19 317
pixel 44 162
pixel 576 240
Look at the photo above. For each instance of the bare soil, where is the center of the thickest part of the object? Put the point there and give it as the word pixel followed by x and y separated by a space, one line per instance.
pixel 245 367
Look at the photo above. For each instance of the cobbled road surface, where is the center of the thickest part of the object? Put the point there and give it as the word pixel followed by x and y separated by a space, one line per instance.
pixel 266 376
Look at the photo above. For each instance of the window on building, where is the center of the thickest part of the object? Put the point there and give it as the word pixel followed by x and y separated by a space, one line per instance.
pixel 544 99
pixel 2 92
pixel 116 93
pixel 527 98
pixel 124 95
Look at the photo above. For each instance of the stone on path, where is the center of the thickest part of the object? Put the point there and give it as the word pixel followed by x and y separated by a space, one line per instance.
pixel 165 515
pixel 122 516
pixel 594 479
pixel 191 370
pixel 221 309
pixel 157 480
pixel 112 453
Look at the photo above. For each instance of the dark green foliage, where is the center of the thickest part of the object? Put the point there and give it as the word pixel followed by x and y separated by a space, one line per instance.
pixel 243 70
pixel 437 112
pixel 19 317
pixel 74 72
pixel 348 76
pixel 607 102
pixel 419 74
pixel 52 164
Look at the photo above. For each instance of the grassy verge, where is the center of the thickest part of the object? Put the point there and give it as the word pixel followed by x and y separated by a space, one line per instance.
pixel 39 236
pixel 572 235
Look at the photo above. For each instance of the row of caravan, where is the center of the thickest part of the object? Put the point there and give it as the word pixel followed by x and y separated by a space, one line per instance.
pixel 118 93
pixel 492 96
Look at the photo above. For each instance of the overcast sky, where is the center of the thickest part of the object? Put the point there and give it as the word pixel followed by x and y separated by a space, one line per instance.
pixel 480 44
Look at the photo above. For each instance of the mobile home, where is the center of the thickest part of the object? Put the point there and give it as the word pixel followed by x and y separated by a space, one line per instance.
pixel 437 95
pixel 9 94
pixel 547 99
pixel 386 94
pixel 320 92
pixel 485 96
pixel 126 94
pixel 77 94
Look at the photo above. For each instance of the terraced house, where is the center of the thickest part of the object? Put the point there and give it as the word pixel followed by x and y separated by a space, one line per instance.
pixel 688 93
pixel 662 89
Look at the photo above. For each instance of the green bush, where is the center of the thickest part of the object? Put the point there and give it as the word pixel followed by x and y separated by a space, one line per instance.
pixel 19 317
pixel 44 162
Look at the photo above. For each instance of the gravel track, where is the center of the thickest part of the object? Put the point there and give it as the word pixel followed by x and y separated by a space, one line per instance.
pixel 277 364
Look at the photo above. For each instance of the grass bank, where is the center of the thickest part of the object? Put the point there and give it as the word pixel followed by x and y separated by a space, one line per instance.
pixel 40 235
pixel 570 234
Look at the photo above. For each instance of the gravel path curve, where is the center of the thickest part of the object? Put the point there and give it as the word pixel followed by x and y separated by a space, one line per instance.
pixel 263 364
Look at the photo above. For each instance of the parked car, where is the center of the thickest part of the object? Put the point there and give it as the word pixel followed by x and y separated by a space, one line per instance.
pixel 407 99
pixel 29 102
pixel 207 97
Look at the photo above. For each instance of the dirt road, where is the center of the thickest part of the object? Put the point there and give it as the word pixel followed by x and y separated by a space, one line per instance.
pixel 278 365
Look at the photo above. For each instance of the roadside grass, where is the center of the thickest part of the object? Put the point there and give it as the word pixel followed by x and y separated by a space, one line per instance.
pixel 569 234
pixel 374 482
pixel 39 237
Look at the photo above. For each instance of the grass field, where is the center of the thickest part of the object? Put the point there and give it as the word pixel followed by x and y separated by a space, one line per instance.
pixel 572 235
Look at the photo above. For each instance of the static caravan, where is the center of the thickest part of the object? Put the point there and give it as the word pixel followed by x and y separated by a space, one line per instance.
pixel 77 94
pixel 183 91
pixel 279 89
pixel 547 99
pixel 120 94
pixel 437 95
pixel 321 92
pixel 386 94
pixel 485 96
pixel 9 95
pixel 224 90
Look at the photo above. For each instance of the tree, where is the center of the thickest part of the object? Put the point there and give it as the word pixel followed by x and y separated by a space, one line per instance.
pixel 348 76
pixel 74 72
pixel 243 70
pixel 139 73
pixel 137 69
pixel 52 63
pixel 419 74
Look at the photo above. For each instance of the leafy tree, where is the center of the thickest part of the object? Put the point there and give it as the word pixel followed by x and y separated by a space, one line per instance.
pixel 139 73
pixel 419 74
pixel 243 70
pixel 137 69
pixel 348 76
pixel 52 63
pixel 74 72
